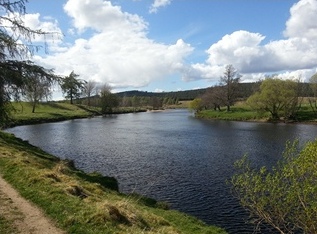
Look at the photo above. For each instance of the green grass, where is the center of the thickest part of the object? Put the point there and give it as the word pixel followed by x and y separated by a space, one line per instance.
pixel 242 112
pixel 48 112
pixel 85 203
pixel 6 226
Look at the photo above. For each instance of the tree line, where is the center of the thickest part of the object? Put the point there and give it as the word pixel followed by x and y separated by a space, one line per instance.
pixel 281 98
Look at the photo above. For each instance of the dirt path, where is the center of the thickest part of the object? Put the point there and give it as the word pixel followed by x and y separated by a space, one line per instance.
pixel 26 218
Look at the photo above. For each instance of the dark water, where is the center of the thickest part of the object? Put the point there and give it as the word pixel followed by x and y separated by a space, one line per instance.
pixel 170 156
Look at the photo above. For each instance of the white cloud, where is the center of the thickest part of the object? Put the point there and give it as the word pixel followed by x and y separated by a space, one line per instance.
pixel 119 51
pixel 157 4
pixel 49 25
pixel 246 51
pixel 303 20
pixel 102 16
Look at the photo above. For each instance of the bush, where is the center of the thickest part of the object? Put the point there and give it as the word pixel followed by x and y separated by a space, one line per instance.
pixel 284 197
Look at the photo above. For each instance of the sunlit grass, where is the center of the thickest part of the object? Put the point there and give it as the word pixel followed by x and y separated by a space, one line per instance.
pixel 242 112
pixel 85 203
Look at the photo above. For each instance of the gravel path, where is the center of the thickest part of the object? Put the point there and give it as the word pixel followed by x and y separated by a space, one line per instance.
pixel 26 217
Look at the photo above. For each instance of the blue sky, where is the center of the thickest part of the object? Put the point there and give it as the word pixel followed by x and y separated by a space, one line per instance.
pixel 170 45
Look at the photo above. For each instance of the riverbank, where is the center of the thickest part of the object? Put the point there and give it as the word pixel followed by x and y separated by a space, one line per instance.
pixel 241 112
pixel 84 203
pixel 57 111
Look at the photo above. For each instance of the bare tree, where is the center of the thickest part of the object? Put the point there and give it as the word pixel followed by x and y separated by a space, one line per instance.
pixel 89 88
pixel 230 81
pixel 213 98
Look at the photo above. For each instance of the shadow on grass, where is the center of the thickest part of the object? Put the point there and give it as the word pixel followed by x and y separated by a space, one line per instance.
pixel 104 181
pixel 10 139
pixel 57 106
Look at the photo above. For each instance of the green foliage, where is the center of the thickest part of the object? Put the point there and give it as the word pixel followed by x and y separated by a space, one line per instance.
pixel 279 97
pixel 48 112
pixel 72 87
pixel 284 197
pixel 108 102
pixel 15 47
pixel 196 105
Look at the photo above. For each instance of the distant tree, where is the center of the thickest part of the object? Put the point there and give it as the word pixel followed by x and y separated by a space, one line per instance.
pixel 136 102
pixel 156 103
pixel 283 197
pixel 38 84
pixel 108 99
pixel 196 105
pixel 16 48
pixel 72 87
pixel 89 88
pixel 313 87
pixel 126 102
pixel 279 97
pixel 213 98
pixel 230 81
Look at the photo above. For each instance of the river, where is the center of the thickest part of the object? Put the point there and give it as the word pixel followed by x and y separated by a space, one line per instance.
pixel 170 156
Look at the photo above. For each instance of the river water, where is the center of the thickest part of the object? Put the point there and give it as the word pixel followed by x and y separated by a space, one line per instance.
pixel 170 156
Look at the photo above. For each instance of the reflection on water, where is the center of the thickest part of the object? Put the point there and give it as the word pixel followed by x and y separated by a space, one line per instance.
pixel 170 156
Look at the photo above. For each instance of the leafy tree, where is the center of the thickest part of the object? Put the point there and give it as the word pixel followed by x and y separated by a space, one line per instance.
pixel 72 87
pixel 108 99
pixel 284 197
pixel 230 81
pixel 15 49
pixel 279 97
pixel 196 105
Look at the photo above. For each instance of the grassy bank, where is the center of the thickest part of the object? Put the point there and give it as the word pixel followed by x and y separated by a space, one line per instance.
pixel 57 111
pixel 48 112
pixel 84 203
pixel 242 112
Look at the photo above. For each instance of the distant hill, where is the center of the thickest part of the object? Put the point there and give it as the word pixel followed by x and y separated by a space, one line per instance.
pixel 181 95
pixel 245 90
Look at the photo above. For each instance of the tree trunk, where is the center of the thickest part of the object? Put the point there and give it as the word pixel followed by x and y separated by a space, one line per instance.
pixel 33 108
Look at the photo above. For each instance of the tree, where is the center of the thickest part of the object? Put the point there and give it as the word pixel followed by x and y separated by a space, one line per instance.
pixel 156 103
pixel 15 48
pixel 89 88
pixel 38 84
pixel 72 87
pixel 279 97
pixel 230 81
pixel 108 99
pixel 284 197
pixel 196 105
pixel 313 87
pixel 213 98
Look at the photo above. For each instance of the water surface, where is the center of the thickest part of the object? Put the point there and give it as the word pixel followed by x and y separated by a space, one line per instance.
pixel 170 156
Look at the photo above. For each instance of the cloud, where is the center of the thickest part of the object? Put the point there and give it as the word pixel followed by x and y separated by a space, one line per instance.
pixel 247 52
pixel 53 35
pixel 119 51
pixel 157 4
